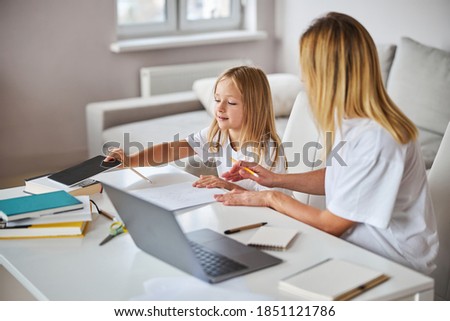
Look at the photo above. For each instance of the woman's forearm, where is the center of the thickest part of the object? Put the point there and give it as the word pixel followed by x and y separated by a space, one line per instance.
pixel 309 182
pixel 322 219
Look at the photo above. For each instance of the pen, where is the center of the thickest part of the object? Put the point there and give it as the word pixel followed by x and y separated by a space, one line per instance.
pixel 4 225
pixel 245 168
pixel 243 228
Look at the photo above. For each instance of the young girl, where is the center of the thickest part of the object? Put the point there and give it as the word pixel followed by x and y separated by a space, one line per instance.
pixel 379 198
pixel 243 129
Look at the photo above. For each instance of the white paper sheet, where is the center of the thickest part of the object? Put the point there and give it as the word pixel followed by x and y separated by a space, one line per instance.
pixel 178 196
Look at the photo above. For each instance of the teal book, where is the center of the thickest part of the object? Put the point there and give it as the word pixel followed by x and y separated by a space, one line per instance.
pixel 36 205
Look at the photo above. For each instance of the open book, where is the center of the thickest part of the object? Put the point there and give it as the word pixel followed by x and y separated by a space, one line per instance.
pixel 332 279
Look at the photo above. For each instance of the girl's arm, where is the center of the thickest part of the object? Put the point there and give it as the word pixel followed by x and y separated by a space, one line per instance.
pixel 155 155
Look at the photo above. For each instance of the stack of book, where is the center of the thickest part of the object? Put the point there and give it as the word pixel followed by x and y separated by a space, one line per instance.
pixel 59 204
pixel 54 214
pixel 76 180
pixel 44 184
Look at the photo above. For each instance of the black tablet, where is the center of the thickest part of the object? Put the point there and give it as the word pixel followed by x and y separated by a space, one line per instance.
pixel 86 169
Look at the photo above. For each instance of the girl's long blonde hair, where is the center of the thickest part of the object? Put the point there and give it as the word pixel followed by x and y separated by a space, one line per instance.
pixel 258 126
pixel 340 68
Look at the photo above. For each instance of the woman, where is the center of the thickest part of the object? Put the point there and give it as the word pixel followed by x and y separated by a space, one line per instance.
pixel 379 198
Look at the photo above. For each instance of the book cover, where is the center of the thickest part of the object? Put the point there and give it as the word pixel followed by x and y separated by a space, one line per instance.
pixel 68 229
pixel 83 214
pixel 42 184
pixel 332 279
pixel 272 238
pixel 17 208
pixel 84 170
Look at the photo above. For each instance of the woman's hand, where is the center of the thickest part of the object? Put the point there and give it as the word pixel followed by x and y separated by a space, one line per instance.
pixel 247 198
pixel 210 181
pixel 246 170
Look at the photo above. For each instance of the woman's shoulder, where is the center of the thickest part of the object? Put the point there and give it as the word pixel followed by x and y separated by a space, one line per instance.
pixel 364 129
pixel 369 137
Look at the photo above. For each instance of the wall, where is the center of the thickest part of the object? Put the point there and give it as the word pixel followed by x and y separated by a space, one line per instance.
pixel 425 21
pixel 55 58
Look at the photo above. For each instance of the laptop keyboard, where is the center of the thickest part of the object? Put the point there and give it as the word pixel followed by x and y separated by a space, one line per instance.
pixel 213 263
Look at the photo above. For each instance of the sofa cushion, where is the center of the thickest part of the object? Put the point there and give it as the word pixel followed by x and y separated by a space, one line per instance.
pixel 386 55
pixel 429 145
pixel 419 82
pixel 157 130
pixel 284 87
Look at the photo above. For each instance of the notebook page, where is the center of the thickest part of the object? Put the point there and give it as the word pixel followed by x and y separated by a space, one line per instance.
pixel 270 237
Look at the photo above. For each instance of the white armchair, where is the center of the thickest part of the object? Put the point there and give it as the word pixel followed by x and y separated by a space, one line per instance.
pixel 302 144
pixel 439 181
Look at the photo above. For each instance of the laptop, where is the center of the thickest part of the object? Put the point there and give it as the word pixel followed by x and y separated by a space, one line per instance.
pixel 205 254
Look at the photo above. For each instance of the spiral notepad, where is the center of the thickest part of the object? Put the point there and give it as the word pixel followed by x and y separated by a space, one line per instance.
pixel 272 238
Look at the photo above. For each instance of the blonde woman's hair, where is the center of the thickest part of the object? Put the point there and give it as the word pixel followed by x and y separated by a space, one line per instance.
pixel 258 124
pixel 340 67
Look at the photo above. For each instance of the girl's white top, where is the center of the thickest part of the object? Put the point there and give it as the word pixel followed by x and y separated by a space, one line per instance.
pixel 223 158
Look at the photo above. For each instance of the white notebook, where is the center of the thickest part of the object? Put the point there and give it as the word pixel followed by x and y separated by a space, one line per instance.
pixel 332 279
pixel 272 238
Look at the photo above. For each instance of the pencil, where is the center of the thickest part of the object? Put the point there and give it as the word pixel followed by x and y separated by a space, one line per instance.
pixel 129 166
pixel 139 174
pixel 248 170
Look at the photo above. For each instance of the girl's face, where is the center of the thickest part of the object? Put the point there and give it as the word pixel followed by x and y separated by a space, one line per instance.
pixel 229 107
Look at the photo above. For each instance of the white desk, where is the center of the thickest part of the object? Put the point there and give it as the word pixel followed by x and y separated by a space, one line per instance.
pixel 79 269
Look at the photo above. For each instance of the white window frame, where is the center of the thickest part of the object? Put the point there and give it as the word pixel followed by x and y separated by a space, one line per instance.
pixel 177 22
pixel 150 29
pixel 231 23
pixel 248 32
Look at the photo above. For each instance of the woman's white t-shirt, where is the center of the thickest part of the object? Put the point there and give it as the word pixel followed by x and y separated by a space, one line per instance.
pixel 382 185
pixel 223 158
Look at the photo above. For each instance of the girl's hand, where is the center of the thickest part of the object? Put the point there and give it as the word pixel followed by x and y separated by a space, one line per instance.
pixel 210 181
pixel 115 154
pixel 246 198
pixel 246 170
pixel 233 174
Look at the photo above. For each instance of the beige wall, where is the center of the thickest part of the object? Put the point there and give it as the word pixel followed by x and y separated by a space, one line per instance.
pixel 55 58
pixel 427 21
